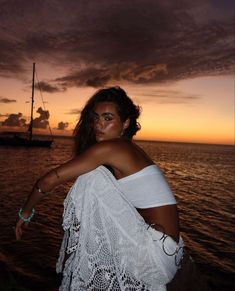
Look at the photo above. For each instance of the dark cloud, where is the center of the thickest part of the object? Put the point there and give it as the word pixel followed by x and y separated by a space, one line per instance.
pixel 42 120
pixel 62 125
pixel 6 100
pixel 46 87
pixel 4 115
pixel 75 111
pixel 169 96
pixel 88 77
pixel 14 120
pixel 18 120
pixel 100 42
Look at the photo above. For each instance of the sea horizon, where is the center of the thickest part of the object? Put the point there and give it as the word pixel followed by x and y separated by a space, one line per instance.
pixel 70 136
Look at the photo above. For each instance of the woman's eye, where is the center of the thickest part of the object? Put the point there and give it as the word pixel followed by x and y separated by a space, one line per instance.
pixel 108 118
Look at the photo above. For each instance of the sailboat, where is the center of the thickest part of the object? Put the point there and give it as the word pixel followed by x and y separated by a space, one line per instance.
pixel 15 139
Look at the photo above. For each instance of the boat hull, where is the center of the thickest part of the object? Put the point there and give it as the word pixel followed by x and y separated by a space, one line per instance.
pixel 18 141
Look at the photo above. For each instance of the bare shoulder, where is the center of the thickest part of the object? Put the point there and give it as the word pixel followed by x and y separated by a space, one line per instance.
pixel 114 147
pixel 112 153
pixel 121 143
pixel 123 155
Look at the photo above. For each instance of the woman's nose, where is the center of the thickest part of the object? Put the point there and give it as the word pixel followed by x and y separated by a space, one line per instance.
pixel 98 123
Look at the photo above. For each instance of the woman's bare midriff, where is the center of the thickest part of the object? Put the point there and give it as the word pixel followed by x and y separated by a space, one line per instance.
pixel 163 218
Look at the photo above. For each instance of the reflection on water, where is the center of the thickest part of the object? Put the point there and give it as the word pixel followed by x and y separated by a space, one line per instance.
pixel 201 176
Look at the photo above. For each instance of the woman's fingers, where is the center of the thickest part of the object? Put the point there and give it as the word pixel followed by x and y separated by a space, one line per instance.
pixel 19 229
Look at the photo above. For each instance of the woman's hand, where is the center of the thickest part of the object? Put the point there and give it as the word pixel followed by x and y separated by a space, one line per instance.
pixel 20 226
pixel 22 223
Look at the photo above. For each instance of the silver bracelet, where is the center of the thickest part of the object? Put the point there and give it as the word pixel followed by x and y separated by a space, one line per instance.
pixel 26 219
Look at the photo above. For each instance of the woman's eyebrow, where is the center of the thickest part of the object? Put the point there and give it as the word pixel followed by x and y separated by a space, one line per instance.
pixel 107 113
pixel 103 113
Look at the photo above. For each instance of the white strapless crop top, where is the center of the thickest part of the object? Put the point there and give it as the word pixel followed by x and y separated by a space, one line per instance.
pixel 147 188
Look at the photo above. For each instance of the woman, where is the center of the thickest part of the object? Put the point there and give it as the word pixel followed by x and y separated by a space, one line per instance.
pixel 120 217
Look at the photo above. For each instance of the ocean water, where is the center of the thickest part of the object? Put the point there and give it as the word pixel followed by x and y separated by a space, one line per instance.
pixel 201 176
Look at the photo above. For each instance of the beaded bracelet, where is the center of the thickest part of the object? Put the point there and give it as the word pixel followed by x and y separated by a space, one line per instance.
pixel 26 219
pixel 40 190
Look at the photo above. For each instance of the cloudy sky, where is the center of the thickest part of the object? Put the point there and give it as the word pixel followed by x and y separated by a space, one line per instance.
pixel 175 58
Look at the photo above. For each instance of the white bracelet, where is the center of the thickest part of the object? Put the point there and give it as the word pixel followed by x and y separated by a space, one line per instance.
pixel 26 219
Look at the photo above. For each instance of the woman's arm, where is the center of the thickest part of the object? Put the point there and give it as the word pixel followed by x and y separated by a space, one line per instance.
pixel 96 155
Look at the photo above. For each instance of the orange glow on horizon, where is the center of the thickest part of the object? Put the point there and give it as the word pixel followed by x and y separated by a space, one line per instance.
pixel 168 113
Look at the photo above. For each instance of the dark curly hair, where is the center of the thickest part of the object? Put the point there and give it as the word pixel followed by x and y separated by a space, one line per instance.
pixel 84 130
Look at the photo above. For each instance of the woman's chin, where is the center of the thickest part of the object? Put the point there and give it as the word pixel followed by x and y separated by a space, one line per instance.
pixel 99 138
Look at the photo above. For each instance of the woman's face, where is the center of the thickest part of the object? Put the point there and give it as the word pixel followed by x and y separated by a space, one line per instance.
pixel 107 122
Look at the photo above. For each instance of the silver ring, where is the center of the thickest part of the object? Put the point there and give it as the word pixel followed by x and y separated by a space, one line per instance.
pixel 163 247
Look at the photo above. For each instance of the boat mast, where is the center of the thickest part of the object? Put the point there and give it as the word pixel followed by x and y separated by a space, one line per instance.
pixel 32 102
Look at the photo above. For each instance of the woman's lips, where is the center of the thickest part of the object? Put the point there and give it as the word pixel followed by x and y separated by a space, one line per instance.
pixel 98 133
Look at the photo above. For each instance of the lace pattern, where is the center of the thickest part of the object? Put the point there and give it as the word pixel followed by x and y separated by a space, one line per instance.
pixel 106 240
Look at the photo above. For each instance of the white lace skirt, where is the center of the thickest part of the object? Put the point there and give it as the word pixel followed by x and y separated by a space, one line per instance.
pixel 170 252
pixel 110 247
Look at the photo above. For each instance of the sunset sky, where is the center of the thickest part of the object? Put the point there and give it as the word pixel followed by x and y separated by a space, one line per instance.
pixel 175 58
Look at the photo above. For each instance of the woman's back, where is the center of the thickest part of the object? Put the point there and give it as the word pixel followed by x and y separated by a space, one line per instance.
pixel 142 181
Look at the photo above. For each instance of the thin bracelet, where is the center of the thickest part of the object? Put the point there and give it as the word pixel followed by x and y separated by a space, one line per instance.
pixel 26 219
pixel 40 190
